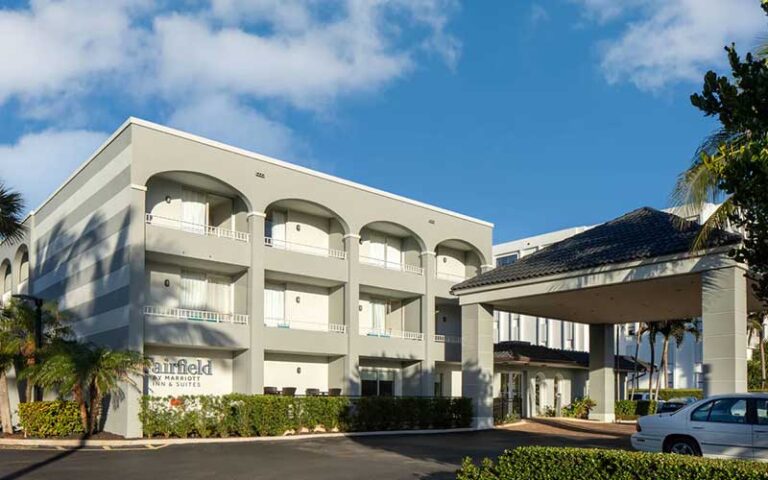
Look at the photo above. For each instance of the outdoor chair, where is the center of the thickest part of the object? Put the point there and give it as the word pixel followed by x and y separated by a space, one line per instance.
pixel 289 391
pixel 313 392
pixel 334 392
pixel 271 391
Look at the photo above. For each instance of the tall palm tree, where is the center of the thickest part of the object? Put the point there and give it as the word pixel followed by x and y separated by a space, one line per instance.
pixel 755 328
pixel 88 373
pixel 11 210
pixel 6 362
pixel 17 321
pixel 672 330
pixel 642 329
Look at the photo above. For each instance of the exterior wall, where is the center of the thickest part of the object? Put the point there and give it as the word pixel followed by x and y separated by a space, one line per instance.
pixel 96 247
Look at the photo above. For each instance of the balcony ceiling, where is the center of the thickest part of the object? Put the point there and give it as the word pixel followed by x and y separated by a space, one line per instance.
pixel 304 207
pixel 202 182
pixel 389 229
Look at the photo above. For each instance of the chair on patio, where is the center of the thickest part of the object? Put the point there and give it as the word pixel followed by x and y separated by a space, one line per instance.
pixel 289 391
pixel 313 392
pixel 271 391
pixel 334 392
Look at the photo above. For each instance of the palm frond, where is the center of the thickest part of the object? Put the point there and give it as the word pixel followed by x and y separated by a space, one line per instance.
pixel 11 211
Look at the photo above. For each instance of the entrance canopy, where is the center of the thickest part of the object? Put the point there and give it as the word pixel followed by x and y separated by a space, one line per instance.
pixel 636 268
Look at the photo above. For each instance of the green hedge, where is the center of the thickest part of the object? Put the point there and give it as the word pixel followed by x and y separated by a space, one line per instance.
pixel 630 409
pixel 547 463
pixel 269 415
pixel 50 419
pixel 670 393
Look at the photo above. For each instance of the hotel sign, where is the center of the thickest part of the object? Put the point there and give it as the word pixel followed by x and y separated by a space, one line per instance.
pixel 188 376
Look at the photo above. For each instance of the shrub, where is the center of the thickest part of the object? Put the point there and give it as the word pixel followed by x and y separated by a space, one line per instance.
pixel 645 407
pixel 267 415
pixel 550 463
pixel 580 408
pixel 625 409
pixel 50 419
pixel 670 393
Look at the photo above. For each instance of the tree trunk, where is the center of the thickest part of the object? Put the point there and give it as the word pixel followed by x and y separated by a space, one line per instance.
pixel 653 364
pixel 6 421
pixel 762 362
pixel 29 391
pixel 77 393
pixel 94 407
pixel 663 368
pixel 635 380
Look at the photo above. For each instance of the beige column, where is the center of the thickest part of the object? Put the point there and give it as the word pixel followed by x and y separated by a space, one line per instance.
pixel 351 314
pixel 428 324
pixel 724 325
pixel 601 376
pixel 477 362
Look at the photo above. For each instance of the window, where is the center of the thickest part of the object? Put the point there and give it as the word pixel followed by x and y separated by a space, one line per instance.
pixel 200 210
pixel 543 331
pixel 377 383
pixel 200 291
pixel 274 305
pixel 762 412
pixel 506 260
pixel 726 410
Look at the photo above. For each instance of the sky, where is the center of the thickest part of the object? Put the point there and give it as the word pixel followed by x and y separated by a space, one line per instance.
pixel 534 115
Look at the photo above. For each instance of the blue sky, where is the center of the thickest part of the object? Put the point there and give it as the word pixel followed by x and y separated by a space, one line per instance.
pixel 535 115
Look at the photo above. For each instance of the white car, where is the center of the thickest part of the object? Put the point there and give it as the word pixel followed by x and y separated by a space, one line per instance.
pixel 723 426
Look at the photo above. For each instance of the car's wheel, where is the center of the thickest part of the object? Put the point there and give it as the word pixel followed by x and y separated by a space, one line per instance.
pixel 682 446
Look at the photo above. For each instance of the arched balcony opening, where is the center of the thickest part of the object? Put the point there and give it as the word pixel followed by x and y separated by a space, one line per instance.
pixel 457 261
pixel 21 267
pixel 391 246
pixel 305 227
pixel 6 274
pixel 197 204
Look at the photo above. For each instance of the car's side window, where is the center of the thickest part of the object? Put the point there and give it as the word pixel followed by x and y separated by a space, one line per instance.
pixel 701 414
pixel 729 410
pixel 762 411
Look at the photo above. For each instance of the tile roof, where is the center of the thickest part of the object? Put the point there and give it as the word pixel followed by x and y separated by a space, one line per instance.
pixel 524 353
pixel 641 234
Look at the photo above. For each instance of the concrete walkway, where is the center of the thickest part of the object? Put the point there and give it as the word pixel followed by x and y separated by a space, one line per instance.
pixel 372 457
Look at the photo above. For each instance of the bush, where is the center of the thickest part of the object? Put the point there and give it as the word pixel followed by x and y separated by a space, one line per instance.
pixel 269 415
pixel 645 407
pixel 50 419
pixel 550 463
pixel 580 408
pixel 670 393
pixel 625 409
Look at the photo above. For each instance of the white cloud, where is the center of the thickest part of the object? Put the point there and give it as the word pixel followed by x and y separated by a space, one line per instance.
pixel 39 162
pixel 59 46
pixel 222 118
pixel 538 14
pixel 667 41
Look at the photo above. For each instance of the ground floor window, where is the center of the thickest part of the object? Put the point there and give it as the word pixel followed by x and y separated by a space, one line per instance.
pixel 377 383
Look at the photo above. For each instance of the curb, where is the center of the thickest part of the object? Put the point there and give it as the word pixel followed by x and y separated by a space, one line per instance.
pixel 163 442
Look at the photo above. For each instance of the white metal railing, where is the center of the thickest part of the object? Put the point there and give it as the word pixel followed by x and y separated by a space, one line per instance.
pixel 390 333
pixel 402 267
pixel 301 325
pixel 447 338
pixel 176 224
pixel 196 315
pixel 450 276
pixel 301 248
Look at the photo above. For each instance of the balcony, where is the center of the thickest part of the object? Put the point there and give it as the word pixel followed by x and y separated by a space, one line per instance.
pixel 196 315
pixel 304 325
pixel 206 230
pixel 454 339
pixel 397 266
pixel 302 248
pixel 391 333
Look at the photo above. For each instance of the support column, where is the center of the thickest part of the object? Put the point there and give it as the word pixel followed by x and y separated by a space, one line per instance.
pixel 352 314
pixel 477 362
pixel 724 325
pixel 601 376
pixel 428 324
pixel 127 410
pixel 249 365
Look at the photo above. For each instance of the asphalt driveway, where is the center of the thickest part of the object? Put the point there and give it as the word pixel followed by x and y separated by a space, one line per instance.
pixel 370 458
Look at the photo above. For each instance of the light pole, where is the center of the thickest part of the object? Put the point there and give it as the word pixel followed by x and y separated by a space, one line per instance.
pixel 38 302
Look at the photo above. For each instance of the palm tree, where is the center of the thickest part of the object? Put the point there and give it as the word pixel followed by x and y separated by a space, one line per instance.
pixel 6 362
pixel 672 330
pixel 17 321
pixel 11 210
pixel 652 330
pixel 642 329
pixel 88 373
pixel 755 328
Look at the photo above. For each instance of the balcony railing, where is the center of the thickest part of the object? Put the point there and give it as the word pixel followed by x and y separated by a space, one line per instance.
pixel 301 248
pixel 452 277
pixel 447 338
pixel 401 267
pixel 196 315
pixel 390 333
pixel 197 229
pixel 303 325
